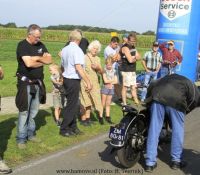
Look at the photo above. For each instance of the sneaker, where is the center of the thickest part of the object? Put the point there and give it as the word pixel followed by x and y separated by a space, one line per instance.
pixel 142 101
pixel 101 120
pixel 4 168
pixel 113 103
pixel 77 131
pixel 125 104
pixel 150 169
pixel 108 119
pixel 178 165
pixel 84 123
pixel 34 139
pixel 21 145
pixel 90 122
pixel 68 134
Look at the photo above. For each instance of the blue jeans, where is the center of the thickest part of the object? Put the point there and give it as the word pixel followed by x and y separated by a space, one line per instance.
pixel 147 77
pixel 26 129
pixel 165 71
pixel 157 118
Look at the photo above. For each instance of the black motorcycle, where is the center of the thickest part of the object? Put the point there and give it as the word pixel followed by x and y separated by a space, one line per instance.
pixel 129 137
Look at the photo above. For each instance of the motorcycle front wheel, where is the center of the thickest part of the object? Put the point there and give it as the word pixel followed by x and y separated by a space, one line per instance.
pixel 127 156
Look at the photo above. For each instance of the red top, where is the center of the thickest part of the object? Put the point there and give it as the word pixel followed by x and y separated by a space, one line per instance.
pixel 170 56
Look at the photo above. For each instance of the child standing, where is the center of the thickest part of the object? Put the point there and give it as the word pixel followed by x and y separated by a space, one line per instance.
pixel 107 91
pixel 58 90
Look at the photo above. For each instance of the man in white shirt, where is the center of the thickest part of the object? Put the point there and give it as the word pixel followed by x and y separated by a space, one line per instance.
pixel 113 49
pixel 72 61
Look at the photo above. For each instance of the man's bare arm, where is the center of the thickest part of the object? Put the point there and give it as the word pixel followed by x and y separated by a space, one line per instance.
pixel 83 75
pixel 45 59
pixel 130 58
pixel 31 61
pixel 37 61
pixel 144 65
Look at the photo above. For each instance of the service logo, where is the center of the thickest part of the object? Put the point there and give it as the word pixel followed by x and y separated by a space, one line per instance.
pixel 173 9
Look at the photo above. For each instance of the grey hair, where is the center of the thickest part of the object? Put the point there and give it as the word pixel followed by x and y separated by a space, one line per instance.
pixel 32 28
pixel 94 44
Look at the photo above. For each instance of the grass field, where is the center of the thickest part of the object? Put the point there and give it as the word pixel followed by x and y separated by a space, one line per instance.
pixel 48 132
pixel 143 41
pixel 9 64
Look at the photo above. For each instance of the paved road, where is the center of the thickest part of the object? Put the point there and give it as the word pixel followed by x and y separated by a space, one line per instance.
pixel 8 104
pixel 94 156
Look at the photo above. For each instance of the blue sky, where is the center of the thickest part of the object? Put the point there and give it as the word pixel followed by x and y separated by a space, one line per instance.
pixel 138 15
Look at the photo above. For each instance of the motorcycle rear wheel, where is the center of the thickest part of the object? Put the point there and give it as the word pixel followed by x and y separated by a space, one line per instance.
pixel 127 156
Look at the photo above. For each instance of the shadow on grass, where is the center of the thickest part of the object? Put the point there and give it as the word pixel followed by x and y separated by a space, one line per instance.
pixel 6 128
pixel 40 118
pixel 53 114
pixel 93 115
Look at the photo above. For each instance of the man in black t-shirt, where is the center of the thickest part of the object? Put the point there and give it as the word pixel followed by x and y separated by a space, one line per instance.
pixel 31 56
pixel 129 56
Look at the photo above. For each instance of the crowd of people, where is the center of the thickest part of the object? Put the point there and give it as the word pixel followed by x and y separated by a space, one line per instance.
pixel 77 88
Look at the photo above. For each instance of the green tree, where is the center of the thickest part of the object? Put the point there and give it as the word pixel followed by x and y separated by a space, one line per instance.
pixel 149 32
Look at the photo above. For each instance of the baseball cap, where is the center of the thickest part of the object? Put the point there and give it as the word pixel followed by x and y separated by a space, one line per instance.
pixel 170 42
pixel 155 43
pixel 125 35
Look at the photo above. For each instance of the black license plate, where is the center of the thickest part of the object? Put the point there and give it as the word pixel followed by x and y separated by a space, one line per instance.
pixel 117 133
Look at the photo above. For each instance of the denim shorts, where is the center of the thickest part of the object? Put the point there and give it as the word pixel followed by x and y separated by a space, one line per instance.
pixel 106 91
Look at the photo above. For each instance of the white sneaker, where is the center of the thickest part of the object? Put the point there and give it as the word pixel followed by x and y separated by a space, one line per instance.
pixel 113 103
pixel 4 168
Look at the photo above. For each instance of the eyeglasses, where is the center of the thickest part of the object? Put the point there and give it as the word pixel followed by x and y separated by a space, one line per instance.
pixel 36 37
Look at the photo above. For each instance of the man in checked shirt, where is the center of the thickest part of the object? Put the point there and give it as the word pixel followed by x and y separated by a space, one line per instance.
pixel 171 58
pixel 151 62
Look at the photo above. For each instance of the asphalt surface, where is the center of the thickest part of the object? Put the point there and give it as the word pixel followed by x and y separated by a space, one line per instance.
pixel 93 157
pixel 8 104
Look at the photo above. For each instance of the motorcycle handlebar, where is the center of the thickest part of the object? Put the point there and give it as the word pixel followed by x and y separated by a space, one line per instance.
pixel 127 108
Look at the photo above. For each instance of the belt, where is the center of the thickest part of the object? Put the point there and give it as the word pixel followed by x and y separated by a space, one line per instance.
pixel 151 69
pixel 27 80
pixel 166 65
